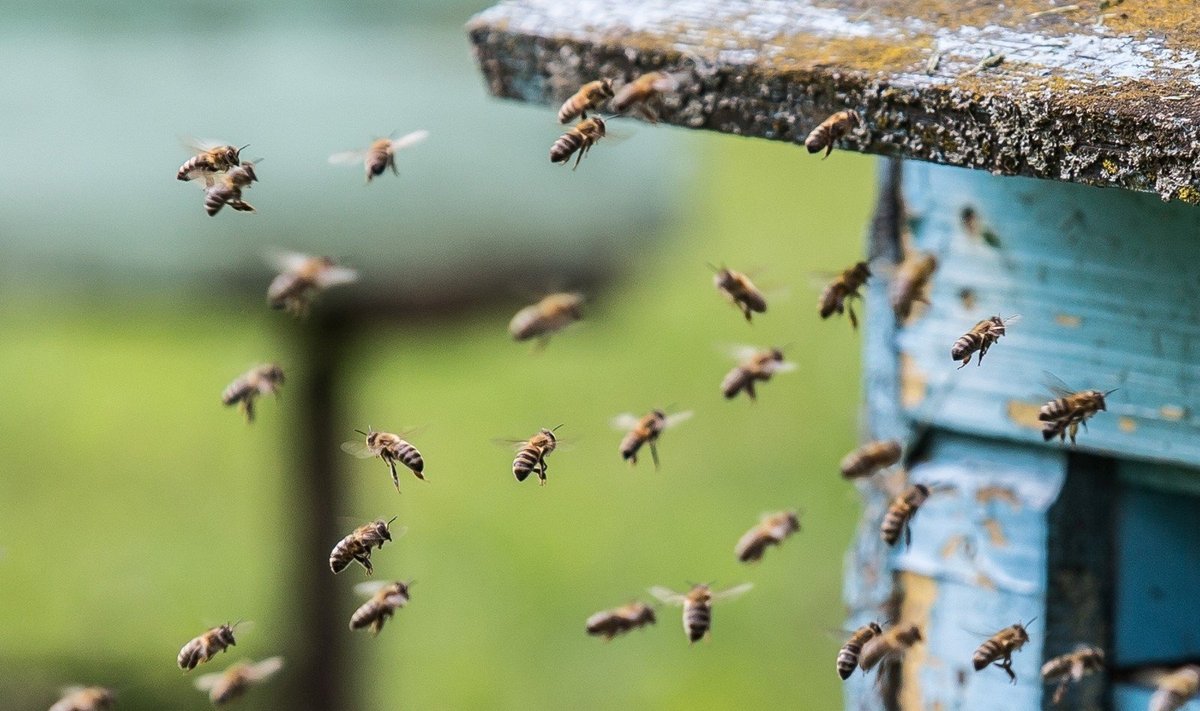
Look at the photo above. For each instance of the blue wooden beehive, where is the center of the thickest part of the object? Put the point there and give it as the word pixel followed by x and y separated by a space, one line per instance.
pixel 1044 102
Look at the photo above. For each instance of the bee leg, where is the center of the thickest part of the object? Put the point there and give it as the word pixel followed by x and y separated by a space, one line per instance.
pixel 1061 690
pixel 853 317
pixel 248 408
pixel 907 536
pixel 1074 429
pixel 828 150
pixel 750 391
pixel 395 476
pixel 654 454
pixel 965 361
pixel 392 163
pixel 365 562
pixel 1006 665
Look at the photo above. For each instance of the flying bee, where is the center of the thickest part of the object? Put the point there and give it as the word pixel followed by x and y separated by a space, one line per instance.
pixel 998 649
pixel 831 130
pixel 391 449
pixel 301 277
pixel 900 514
pixel 85 698
pixel 772 530
pixel 848 655
pixel 259 380
pixel 1072 667
pixel 228 685
pixel 579 139
pixel 980 338
pixel 644 95
pixel 893 641
pixel 206 646
pixel 590 96
pixel 610 623
pixel 697 606
pixel 210 159
pixel 357 546
pixel 910 283
pixel 754 366
pixel 380 155
pixel 839 295
pixel 531 455
pixel 645 431
pixel 386 598
pixel 870 458
pixel 551 314
pixel 227 188
pixel 740 291
pixel 1176 688
pixel 1062 416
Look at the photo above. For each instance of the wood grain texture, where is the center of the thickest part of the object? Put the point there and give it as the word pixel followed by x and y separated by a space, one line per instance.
pixel 1088 96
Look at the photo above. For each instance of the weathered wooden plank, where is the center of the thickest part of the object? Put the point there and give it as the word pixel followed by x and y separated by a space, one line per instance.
pixel 1098 309
pixel 1087 96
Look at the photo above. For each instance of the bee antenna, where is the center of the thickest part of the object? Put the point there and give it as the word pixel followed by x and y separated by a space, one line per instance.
pixel 239 151
pixel 1031 621
pixel 712 266
pixel 1110 392
pixel 390 520
pixel 555 428
pixel 364 434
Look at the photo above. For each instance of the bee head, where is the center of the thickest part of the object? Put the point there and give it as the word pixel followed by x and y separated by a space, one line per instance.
pixel 606 87
pixel 225 633
pixel 275 373
pixel 875 627
pixel 648 614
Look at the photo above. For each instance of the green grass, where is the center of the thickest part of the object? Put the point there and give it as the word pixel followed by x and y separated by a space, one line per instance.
pixel 135 511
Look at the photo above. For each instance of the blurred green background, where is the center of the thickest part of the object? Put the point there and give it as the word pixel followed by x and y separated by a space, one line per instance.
pixel 135 511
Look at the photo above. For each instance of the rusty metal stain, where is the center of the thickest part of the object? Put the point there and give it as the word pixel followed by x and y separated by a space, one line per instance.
pixel 1127 425
pixel 1068 320
pixel 913 382
pixel 995 532
pixel 1024 414
pixel 988 494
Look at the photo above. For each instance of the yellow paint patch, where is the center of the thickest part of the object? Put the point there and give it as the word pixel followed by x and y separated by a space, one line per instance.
pixel 1172 413
pixel 920 592
pixel 1068 320
pixel 952 545
pixel 984 582
pixel 913 382
pixel 1126 424
pixel 1024 414
pixel 995 532
pixel 989 494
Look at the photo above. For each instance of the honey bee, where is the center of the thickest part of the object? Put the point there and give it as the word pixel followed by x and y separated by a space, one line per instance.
pixel 1176 688
pixel 386 598
pixel 610 623
pixel 910 283
pixel 579 139
pixel 848 655
pixel 697 606
pixel 870 458
pixel 892 641
pixel 209 160
pixel 206 646
pixel 645 431
pixel 589 97
pixel 357 546
pixel 839 295
pixel 259 380
pixel 1062 416
pixel 772 530
pixel 531 455
pixel 548 316
pixel 740 291
pixel 1072 667
pixel 900 514
pixel 301 277
pixel 832 129
pixel 228 685
pixel 380 155
pixel 644 94
pixel 85 698
pixel 754 366
pixel 980 338
pixel 391 449
pixel 226 189
pixel 998 649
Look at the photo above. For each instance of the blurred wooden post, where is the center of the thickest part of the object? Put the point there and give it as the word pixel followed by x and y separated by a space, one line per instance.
pixel 1098 541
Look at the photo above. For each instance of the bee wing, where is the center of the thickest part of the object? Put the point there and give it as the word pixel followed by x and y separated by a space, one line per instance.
pixel 285 261
pixel 348 157
pixel 1055 384
pixel 264 669
pixel 1011 319
pixel 333 276
pixel 678 417
pixel 509 442
pixel 411 139
pixel 667 595
pixel 206 178
pixel 358 448
pixel 370 587
pixel 785 366
pixel 208 681
pixel 741 352
pixel 733 592
pixel 667 83
pixel 200 145
pixel 625 421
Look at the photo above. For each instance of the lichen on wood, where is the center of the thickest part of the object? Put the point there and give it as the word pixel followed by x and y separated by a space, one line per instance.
pixel 1101 96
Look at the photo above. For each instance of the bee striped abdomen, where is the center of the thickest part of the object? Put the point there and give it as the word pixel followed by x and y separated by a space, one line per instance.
pixel 737 380
pixel 347 550
pixel 410 457
pixel 565 146
pixel 526 461
pixel 847 658
pixel 894 522
pixel 986 654
pixel 195 163
pixel 697 620
pixel 965 346
pixel 832 299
